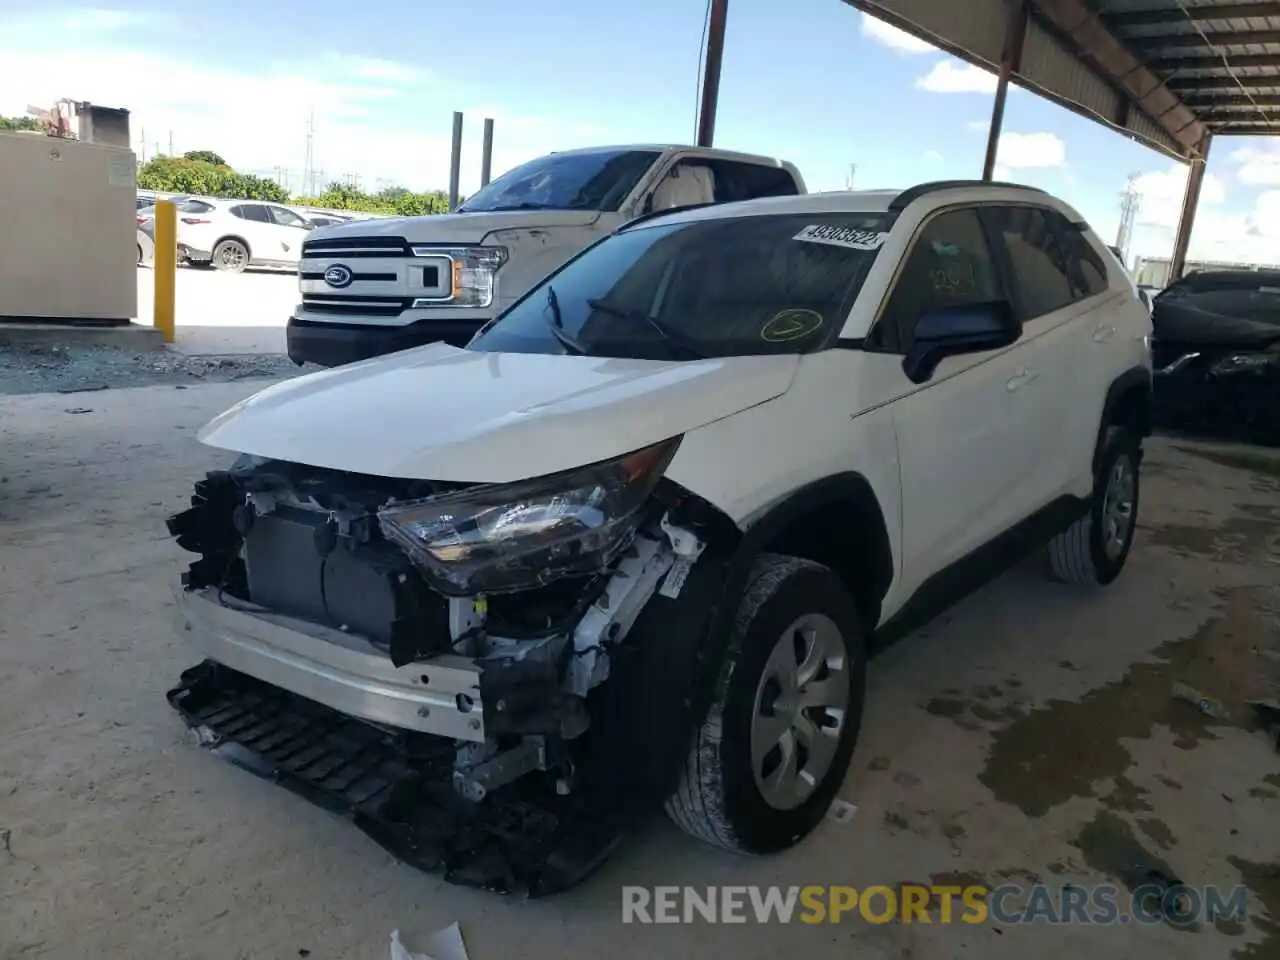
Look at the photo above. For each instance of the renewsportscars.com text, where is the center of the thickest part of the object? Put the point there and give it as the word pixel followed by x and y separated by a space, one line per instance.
pixel 1009 904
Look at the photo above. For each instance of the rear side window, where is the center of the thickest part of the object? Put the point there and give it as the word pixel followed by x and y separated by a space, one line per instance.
pixel 1038 259
pixel 251 211
pixel 949 265
pixel 749 181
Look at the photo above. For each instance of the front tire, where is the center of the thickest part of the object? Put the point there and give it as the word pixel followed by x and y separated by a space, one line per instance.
pixel 1093 550
pixel 781 730
pixel 230 256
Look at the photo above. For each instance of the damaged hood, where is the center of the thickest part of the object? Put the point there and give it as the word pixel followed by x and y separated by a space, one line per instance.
pixel 441 413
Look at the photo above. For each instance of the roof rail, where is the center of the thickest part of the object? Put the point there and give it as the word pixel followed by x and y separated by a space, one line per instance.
pixel 921 189
pixel 653 214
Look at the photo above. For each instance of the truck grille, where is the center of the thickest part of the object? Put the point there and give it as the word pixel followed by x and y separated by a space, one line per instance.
pixel 351 247
pixel 337 305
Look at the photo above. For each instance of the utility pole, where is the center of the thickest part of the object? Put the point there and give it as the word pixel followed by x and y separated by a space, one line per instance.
pixel 1130 203
pixel 171 153
pixel 142 144
pixel 848 179
pixel 308 168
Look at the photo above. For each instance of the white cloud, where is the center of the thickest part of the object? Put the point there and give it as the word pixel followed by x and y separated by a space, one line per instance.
pixel 1162 192
pixel 368 118
pixel 978 126
pixel 950 76
pixel 1258 166
pixel 98 20
pixel 933 156
pixel 1025 151
pixel 892 37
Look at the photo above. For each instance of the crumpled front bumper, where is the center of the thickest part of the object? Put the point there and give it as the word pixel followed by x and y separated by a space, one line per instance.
pixel 339 670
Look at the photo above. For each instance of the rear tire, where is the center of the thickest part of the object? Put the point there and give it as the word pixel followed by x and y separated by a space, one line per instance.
pixel 230 256
pixel 774 750
pixel 1093 550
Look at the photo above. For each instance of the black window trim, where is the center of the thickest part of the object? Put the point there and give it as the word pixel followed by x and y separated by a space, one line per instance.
pixel 999 261
pixel 1014 289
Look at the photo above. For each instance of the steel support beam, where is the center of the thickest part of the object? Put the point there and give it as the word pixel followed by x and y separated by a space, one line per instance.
pixel 1181 13
pixel 1015 37
pixel 1109 56
pixel 1233 104
pixel 712 59
pixel 1190 203
pixel 1213 62
pixel 1247 130
pixel 1195 42
pixel 455 161
pixel 1192 87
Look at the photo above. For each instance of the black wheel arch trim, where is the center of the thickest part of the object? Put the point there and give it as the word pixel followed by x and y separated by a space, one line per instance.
pixel 690 635
pixel 1135 378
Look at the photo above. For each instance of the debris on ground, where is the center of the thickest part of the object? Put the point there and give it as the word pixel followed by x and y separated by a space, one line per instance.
pixel 444 944
pixel 1207 705
pixel 40 368
pixel 841 811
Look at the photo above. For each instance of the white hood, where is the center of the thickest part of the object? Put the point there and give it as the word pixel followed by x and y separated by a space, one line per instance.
pixel 467 227
pixel 440 413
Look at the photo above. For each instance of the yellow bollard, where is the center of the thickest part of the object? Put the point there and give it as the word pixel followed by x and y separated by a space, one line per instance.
pixel 165 267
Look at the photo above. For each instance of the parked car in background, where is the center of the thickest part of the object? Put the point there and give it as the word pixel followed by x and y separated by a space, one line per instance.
pixel 231 235
pixel 146 243
pixel 324 218
pixel 378 286
pixel 1216 348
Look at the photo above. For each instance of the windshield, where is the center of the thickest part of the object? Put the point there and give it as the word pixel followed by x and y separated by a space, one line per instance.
pixel 1242 295
pixel 599 180
pixel 705 288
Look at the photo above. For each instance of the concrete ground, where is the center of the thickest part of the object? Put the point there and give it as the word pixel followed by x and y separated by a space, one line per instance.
pixel 1030 734
pixel 225 313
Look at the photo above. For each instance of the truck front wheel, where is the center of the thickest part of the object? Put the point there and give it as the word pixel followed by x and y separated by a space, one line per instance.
pixel 777 741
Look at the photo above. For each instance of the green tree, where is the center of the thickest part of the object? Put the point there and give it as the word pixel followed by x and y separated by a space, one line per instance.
pixel 21 123
pixel 185 175
pixel 207 156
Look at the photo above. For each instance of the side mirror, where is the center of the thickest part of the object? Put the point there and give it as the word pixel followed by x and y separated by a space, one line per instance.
pixel 951 331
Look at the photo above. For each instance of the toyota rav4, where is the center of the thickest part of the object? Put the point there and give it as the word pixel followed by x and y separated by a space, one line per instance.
pixel 633 544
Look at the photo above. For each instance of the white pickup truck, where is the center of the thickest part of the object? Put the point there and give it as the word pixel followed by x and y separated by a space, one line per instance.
pixel 374 287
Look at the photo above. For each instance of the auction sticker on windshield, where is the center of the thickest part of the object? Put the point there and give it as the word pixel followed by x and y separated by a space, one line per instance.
pixel 848 237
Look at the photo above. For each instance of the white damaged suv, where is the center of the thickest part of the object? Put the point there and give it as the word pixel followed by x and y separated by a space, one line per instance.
pixel 634 543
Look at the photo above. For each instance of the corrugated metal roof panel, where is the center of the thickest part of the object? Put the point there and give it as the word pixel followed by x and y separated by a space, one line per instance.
pixel 974 30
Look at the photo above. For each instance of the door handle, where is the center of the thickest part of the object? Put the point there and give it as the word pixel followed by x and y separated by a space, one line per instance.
pixel 1103 332
pixel 1021 379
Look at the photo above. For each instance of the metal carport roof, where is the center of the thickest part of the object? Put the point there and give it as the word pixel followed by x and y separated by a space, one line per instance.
pixel 1172 74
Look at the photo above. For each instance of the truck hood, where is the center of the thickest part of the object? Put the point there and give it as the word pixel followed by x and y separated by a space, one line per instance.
pixel 441 413
pixel 468 227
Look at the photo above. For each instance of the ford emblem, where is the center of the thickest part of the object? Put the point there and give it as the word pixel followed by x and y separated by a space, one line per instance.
pixel 338 276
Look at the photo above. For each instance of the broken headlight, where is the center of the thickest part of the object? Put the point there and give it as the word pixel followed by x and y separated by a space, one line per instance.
pixel 505 537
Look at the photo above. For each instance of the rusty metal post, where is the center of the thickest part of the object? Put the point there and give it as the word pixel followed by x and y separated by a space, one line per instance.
pixel 486 152
pixel 1190 203
pixel 455 161
pixel 711 72
pixel 1015 36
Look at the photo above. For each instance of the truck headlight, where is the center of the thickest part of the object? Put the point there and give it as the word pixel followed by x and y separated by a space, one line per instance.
pixel 472 275
pixel 500 538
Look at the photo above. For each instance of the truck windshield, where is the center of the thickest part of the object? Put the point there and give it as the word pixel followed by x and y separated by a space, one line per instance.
pixel 734 286
pixel 596 180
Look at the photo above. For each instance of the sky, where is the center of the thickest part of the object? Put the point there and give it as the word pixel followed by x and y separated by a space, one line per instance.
pixel 814 82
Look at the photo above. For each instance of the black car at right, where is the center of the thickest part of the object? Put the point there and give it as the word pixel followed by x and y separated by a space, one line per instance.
pixel 1216 350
